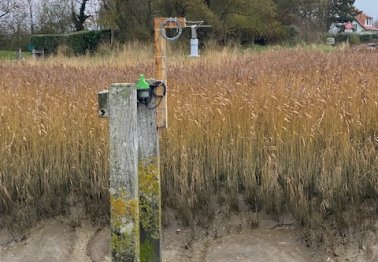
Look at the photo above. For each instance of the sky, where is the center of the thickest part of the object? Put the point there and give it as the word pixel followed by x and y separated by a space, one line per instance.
pixel 370 7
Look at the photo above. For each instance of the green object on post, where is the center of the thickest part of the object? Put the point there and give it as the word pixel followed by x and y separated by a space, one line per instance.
pixel 142 83
pixel 143 90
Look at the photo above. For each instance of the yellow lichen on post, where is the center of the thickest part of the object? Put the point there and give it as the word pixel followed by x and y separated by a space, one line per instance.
pixel 125 227
pixel 148 172
pixel 149 196
pixel 149 185
pixel 121 206
pixel 122 107
pixel 149 209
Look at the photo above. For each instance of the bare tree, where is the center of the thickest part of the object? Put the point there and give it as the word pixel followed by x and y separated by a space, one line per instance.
pixel 54 17
pixel 8 6
pixel 80 18
pixel 31 14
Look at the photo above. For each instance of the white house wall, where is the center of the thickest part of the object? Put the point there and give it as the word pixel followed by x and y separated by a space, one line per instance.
pixel 360 29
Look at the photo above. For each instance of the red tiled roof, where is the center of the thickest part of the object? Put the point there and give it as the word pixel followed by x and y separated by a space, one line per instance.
pixel 369 27
pixel 361 19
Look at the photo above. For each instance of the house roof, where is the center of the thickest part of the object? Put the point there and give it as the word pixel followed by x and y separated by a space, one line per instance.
pixel 361 19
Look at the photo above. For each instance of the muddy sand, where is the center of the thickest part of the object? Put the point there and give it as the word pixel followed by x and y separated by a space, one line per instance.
pixel 231 239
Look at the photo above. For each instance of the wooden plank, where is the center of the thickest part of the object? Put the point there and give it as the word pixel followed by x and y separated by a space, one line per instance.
pixel 124 197
pixel 149 185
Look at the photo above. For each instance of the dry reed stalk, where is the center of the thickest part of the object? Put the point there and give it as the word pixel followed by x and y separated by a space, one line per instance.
pixel 288 131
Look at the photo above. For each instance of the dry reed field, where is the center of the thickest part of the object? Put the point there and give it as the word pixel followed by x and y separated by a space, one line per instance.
pixel 287 130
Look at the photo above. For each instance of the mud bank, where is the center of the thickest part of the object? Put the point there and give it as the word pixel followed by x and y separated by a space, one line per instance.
pixel 237 238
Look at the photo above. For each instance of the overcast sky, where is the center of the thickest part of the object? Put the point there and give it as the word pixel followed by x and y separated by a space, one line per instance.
pixel 370 7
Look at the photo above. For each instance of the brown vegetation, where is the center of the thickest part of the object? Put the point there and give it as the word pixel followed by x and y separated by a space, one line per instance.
pixel 287 130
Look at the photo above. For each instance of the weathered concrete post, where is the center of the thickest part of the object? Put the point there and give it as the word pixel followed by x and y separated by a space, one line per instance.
pixel 134 175
pixel 149 184
pixel 120 104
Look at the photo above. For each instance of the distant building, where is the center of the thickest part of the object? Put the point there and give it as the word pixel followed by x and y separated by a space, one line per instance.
pixel 362 24
pixel 365 24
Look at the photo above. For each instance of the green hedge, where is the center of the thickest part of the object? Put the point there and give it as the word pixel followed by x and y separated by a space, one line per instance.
pixel 368 38
pixel 339 38
pixel 79 42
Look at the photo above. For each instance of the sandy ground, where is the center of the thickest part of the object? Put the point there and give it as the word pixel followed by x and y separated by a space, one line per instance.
pixel 56 240
pixel 235 238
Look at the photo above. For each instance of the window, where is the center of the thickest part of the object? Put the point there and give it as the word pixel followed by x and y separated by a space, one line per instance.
pixel 369 21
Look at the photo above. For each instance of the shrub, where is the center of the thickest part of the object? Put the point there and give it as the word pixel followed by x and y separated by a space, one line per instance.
pixel 49 43
pixel 79 42
pixel 354 39
pixel 64 50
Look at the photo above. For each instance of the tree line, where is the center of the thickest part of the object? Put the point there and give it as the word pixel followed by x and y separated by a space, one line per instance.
pixel 246 21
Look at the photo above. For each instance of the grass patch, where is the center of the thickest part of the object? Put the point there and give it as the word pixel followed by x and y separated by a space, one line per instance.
pixel 4 54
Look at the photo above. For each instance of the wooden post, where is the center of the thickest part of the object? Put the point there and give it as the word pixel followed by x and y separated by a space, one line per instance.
pixel 160 47
pixel 149 184
pixel 123 143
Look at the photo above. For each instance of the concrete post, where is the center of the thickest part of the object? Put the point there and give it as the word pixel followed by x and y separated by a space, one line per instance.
pixel 120 104
pixel 134 175
pixel 149 184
